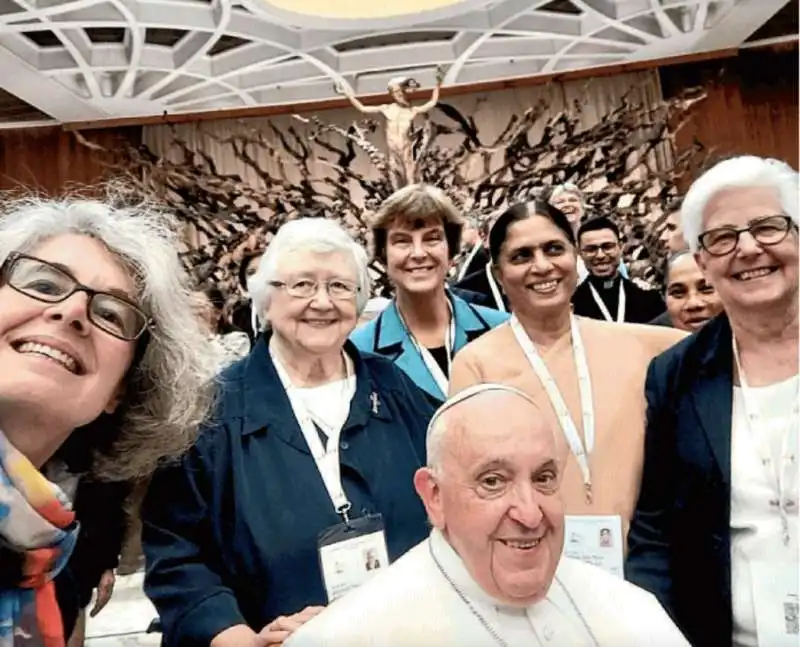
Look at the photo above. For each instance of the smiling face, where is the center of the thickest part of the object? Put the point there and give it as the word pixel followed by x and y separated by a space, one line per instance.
pixel 753 277
pixel 417 256
pixel 320 324
pixel 571 205
pixel 537 266
pixel 691 300
pixel 495 496
pixel 56 364
pixel 601 251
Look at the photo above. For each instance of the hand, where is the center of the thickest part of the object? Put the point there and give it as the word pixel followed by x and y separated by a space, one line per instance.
pixel 338 88
pixel 279 630
pixel 440 72
pixel 238 636
pixel 104 591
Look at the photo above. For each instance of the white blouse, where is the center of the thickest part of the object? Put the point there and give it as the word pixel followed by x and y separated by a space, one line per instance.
pixel 329 404
pixel 757 532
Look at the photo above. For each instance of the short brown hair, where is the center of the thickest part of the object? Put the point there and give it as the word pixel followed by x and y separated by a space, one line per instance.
pixel 413 202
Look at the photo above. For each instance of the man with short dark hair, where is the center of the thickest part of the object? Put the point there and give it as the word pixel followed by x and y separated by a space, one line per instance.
pixel 605 294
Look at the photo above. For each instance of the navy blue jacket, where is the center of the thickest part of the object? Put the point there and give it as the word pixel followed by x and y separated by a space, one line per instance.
pixel 230 534
pixel 679 543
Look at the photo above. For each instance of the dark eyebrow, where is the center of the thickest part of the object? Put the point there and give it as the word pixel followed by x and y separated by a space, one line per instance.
pixel 122 294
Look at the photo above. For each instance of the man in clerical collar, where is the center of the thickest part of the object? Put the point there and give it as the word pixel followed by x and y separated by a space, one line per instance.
pixel 605 294
pixel 492 572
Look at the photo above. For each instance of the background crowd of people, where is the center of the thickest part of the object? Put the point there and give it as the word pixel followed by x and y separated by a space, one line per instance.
pixel 520 423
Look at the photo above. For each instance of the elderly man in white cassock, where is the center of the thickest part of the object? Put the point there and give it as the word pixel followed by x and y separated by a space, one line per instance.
pixel 491 573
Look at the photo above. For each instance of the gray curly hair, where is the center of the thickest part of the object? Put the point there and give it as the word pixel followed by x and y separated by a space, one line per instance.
pixel 170 386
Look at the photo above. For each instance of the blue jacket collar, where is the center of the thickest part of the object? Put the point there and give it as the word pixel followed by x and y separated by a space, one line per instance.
pixel 266 405
pixel 392 339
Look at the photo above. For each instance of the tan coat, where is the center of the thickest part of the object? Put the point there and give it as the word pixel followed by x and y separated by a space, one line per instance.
pixel 618 356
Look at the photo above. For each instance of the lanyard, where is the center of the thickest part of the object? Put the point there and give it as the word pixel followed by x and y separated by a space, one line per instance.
pixel 776 474
pixel 577 447
pixel 428 359
pixel 620 304
pixel 462 271
pixel 498 297
pixel 327 460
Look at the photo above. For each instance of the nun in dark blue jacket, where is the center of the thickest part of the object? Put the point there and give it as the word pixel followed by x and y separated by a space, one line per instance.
pixel 305 473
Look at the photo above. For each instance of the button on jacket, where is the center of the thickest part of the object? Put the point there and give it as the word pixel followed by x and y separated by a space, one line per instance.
pixel 230 534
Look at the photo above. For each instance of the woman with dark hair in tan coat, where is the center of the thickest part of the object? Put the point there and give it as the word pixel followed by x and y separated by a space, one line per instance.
pixel 587 376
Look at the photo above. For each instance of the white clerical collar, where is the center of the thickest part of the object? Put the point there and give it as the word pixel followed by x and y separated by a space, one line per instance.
pixel 456 570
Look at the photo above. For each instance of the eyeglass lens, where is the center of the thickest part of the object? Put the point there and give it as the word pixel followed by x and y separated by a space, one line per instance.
pixel 305 288
pixel 43 282
pixel 768 231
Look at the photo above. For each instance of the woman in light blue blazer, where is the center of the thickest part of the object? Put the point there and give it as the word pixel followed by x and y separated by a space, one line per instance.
pixel 416 234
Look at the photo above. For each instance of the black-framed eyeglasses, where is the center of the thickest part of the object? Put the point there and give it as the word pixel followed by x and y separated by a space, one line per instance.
pixel 307 288
pixel 767 231
pixel 49 283
pixel 593 250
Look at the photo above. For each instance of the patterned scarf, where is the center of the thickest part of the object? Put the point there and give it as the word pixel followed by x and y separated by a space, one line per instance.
pixel 36 520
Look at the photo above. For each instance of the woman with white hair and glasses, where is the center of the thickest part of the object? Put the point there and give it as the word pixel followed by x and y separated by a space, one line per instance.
pixel 715 534
pixel 103 376
pixel 308 464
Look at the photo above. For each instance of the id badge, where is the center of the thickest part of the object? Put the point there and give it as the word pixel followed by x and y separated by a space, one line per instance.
pixel 349 554
pixel 775 602
pixel 595 539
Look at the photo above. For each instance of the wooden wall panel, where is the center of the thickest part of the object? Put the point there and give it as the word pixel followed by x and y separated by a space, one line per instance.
pixel 751 105
pixel 50 160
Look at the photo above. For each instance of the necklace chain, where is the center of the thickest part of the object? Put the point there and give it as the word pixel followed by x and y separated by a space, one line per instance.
pixel 487 625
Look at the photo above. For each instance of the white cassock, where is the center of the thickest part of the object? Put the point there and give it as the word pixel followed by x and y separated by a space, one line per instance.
pixel 415 604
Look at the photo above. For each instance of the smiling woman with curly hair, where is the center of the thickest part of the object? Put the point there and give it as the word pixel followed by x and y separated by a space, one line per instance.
pixel 104 373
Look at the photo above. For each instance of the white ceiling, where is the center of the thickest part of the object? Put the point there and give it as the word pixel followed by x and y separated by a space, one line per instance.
pixel 79 60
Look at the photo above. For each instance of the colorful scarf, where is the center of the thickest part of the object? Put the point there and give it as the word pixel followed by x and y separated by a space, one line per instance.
pixel 36 520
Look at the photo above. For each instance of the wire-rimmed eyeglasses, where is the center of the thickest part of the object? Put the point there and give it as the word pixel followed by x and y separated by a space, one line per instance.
pixel 49 283
pixel 766 231
pixel 307 288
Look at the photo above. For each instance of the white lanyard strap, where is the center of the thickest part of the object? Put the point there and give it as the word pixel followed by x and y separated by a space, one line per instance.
pixel 442 380
pixel 620 303
pixel 778 471
pixel 326 459
pixel 496 294
pixel 579 450
pixel 462 271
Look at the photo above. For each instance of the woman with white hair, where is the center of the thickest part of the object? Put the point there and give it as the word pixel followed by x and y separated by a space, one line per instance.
pixel 103 376
pixel 715 534
pixel 308 463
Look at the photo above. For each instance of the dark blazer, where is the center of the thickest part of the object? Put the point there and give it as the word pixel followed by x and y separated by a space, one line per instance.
pixel 475 260
pixel 642 306
pixel 230 534
pixel 478 282
pixel 100 509
pixel 679 541
pixel 386 335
